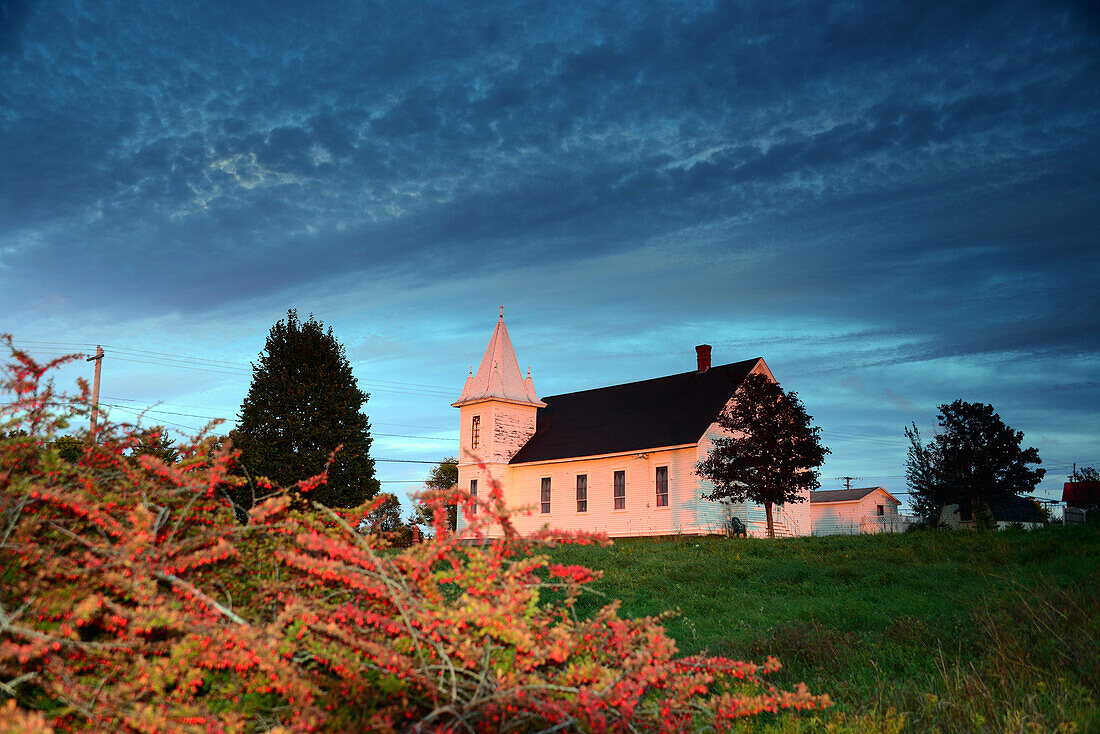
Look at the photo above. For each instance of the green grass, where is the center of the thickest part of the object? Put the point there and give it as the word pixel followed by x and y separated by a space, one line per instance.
pixel 934 631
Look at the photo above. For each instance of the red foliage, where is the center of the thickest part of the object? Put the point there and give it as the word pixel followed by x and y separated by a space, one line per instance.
pixel 131 600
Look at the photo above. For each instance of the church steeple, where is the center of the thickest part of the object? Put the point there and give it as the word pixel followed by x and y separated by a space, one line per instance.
pixel 498 376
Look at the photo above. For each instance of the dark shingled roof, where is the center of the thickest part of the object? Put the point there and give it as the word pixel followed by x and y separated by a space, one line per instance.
pixel 666 411
pixel 1016 509
pixel 1007 509
pixel 840 495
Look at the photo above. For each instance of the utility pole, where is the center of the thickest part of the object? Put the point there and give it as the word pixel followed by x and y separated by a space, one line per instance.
pixel 848 481
pixel 98 359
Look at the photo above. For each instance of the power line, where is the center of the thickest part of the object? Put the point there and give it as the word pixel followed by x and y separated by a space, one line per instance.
pixel 209 407
pixel 181 366
pixel 132 350
pixel 218 366
pixel 165 402
pixel 139 413
pixel 402 435
pixel 177 357
pixel 169 412
pixel 219 418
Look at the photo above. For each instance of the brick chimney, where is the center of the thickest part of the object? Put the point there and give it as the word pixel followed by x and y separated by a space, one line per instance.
pixel 702 353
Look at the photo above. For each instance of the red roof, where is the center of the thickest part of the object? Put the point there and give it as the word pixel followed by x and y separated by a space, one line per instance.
pixel 1084 493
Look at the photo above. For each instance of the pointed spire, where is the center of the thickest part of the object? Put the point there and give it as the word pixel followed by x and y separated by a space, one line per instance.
pixel 529 387
pixel 498 377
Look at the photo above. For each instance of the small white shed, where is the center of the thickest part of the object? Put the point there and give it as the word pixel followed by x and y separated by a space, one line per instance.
pixel 854 511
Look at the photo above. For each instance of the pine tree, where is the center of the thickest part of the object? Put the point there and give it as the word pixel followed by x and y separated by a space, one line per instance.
pixel 156 442
pixel 304 402
pixel 773 452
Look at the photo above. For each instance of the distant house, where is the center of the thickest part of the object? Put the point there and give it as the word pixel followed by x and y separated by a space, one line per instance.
pixel 617 459
pixel 1082 500
pixel 1007 511
pixel 1083 495
pixel 852 511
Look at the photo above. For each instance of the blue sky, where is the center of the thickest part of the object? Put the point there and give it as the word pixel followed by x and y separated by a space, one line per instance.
pixel 895 204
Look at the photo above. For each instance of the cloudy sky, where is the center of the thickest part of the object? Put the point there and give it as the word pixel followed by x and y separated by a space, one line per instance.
pixel 895 204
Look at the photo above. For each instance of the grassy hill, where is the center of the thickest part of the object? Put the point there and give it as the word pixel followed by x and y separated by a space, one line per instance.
pixel 948 631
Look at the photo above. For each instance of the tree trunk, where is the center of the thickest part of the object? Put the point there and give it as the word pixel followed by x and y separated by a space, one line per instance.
pixel 771 527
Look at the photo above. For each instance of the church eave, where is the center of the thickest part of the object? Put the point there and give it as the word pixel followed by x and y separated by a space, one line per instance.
pixel 494 399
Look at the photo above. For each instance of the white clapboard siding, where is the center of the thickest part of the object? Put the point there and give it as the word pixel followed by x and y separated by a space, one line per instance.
pixel 847 518
pixel 687 512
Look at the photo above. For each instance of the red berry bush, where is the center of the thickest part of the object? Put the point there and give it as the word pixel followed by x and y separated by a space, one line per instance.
pixel 132 600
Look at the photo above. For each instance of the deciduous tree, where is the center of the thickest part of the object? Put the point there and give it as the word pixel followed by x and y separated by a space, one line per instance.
pixel 1086 474
pixel 305 402
pixel 773 452
pixel 974 458
pixel 441 479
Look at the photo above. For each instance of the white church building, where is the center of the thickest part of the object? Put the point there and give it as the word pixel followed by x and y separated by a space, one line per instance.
pixel 617 459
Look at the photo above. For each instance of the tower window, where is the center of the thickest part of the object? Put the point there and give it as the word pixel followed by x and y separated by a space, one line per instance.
pixel 475 432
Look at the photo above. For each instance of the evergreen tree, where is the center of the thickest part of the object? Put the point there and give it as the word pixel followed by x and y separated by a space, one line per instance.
pixel 70 448
pixel 304 402
pixel 156 442
pixel 772 453
pixel 926 490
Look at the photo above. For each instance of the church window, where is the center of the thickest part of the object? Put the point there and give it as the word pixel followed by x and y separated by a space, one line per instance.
pixel 582 493
pixel 475 432
pixel 620 490
pixel 545 495
pixel 662 486
pixel 473 493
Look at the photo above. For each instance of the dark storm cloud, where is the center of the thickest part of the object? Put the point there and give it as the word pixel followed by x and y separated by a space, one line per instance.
pixel 938 161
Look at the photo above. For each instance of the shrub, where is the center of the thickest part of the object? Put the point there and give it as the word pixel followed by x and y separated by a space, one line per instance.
pixel 131 600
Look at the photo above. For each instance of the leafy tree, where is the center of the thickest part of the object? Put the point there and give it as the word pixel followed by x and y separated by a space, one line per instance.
pixel 304 402
pixel 386 516
pixel 384 519
pixel 1086 474
pixel 772 453
pixel 441 479
pixel 974 459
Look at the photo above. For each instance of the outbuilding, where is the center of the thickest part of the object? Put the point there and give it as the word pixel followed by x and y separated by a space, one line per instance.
pixel 854 511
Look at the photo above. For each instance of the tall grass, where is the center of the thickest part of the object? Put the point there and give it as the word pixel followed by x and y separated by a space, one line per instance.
pixel 948 631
